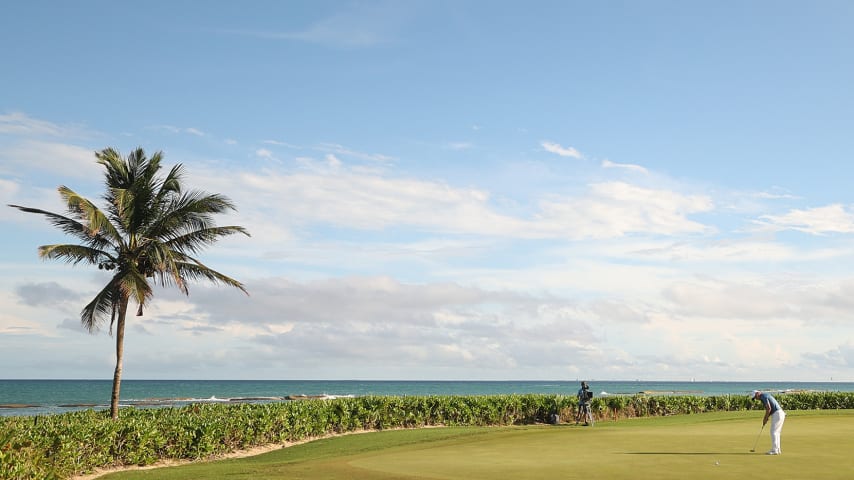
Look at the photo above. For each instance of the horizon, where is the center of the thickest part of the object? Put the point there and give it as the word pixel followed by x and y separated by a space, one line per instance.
pixel 592 380
pixel 449 189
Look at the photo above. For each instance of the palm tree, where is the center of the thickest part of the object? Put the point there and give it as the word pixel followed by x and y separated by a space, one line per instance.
pixel 150 229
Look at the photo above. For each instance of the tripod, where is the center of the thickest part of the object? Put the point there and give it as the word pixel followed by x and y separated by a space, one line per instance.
pixel 584 413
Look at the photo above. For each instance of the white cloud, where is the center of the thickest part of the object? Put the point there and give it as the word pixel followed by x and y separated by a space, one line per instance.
pixel 615 209
pixel 331 194
pixel 8 190
pixel 49 157
pixel 372 320
pixel 264 153
pixel 174 129
pixel 786 301
pixel 737 251
pixel 775 196
pixel 17 123
pixel 17 319
pixel 728 300
pixel 626 166
pixel 333 162
pixel 282 144
pixel 840 357
pixel 562 151
pixel 363 201
pixel 362 26
pixel 817 221
pixel 341 150
pixel 168 128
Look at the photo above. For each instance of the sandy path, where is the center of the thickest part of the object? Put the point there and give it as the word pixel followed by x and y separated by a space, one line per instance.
pixel 236 454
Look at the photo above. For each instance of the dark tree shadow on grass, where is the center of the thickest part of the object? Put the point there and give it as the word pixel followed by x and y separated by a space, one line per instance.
pixel 687 453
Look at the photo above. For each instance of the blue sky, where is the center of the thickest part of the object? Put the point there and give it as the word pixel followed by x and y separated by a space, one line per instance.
pixel 450 190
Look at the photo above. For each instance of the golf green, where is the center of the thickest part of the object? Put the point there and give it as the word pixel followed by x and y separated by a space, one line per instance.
pixel 704 446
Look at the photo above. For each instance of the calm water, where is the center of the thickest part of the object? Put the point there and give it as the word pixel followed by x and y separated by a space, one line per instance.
pixel 38 397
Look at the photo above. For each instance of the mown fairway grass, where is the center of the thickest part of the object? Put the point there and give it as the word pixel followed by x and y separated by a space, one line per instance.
pixel 704 446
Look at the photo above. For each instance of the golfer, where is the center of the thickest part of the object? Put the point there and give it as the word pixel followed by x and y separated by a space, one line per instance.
pixel 777 416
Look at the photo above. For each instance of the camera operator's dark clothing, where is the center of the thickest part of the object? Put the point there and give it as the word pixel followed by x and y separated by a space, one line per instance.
pixel 583 397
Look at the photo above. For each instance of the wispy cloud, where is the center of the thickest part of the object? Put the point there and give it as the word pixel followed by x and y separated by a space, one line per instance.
pixel 328 192
pixel 626 166
pixel 281 144
pixel 179 130
pixel 324 34
pixel 833 218
pixel 459 145
pixel 17 123
pixel 616 209
pixel 264 153
pixel 775 196
pixel 362 26
pixel 53 157
pixel 561 150
pixel 342 150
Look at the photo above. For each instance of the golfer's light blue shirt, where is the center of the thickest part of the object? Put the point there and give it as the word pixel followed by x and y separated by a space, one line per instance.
pixel 767 399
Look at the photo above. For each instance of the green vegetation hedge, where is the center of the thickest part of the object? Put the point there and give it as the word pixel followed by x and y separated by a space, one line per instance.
pixel 59 446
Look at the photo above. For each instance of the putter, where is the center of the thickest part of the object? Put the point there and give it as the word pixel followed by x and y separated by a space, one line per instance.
pixel 757 438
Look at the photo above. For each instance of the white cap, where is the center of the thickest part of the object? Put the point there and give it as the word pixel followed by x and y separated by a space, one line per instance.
pixel 753 395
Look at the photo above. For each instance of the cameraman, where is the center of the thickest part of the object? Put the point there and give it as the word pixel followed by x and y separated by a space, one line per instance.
pixel 584 397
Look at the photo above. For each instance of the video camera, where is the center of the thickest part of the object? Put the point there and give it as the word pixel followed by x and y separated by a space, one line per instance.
pixel 586 394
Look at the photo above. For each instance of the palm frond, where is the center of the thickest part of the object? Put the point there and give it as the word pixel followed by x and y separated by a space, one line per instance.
pixel 136 286
pixel 190 212
pixel 200 204
pixel 131 186
pixel 104 305
pixel 88 213
pixel 192 242
pixel 70 226
pixel 172 182
pixel 195 270
pixel 116 168
pixel 75 254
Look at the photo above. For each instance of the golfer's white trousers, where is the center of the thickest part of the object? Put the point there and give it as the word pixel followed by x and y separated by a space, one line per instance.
pixel 777 419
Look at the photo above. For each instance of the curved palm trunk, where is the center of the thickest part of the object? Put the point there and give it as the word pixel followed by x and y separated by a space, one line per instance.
pixel 120 350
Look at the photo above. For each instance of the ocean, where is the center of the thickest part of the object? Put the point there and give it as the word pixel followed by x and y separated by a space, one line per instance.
pixel 41 397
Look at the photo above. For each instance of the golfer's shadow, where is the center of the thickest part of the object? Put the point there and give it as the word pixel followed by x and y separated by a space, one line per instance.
pixel 687 453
